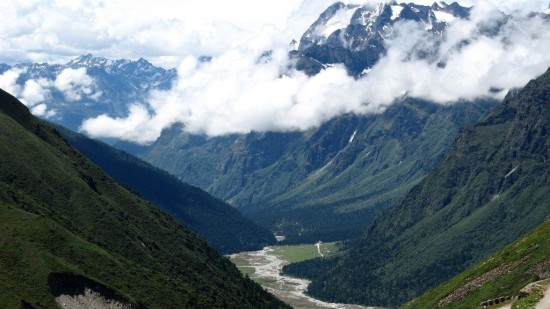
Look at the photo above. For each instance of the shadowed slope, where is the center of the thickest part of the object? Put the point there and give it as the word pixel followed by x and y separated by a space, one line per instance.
pixel 61 214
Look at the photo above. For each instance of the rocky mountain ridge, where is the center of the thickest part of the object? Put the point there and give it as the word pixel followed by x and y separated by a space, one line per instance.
pixel 356 35
pixel 492 188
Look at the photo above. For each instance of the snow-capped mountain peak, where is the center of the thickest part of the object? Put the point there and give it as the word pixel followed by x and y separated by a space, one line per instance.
pixel 88 61
pixel 340 20
pixel 342 17
pixel 360 31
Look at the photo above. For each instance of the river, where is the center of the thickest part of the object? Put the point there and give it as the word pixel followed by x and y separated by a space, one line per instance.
pixel 268 267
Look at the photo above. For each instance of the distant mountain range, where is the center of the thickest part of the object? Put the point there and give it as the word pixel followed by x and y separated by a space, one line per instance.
pixel 349 34
pixel 328 183
pixel 324 184
pixel 116 84
pixel 492 187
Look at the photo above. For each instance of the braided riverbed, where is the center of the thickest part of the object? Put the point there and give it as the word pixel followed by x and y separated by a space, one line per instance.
pixel 264 267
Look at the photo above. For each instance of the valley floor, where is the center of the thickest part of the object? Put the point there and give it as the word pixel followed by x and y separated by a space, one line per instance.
pixel 265 267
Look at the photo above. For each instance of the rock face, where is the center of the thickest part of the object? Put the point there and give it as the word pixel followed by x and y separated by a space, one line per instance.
pixel 89 299
pixel 77 292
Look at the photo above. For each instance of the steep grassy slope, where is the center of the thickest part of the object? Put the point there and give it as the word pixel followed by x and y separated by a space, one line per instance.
pixel 504 273
pixel 493 186
pixel 60 214
pixel 324 184
pixel 223 226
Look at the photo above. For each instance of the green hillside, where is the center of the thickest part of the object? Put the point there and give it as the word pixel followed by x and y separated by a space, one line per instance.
pixel 504 273
pixel 223 226
pixel 62 220
pixel 493 187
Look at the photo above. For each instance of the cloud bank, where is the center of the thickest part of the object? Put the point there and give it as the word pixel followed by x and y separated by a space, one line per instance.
pixel 164 32
pixel 33 93
pixel 73 84
pixel 76 83
pixel 56 31
pixel 236 93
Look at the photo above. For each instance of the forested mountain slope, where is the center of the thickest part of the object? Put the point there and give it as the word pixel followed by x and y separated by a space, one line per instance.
pixel 324 184
pixel 330 182
pixel 223 226
pixel 493 186
pixel 63 221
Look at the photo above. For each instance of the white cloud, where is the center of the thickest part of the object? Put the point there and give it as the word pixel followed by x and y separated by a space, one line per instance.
pixel 76 83
pixel 8 81
pixel 236 94
pixel 165 31
pixel 508 60
pixel 138 126
pixel 41 110
pixel 33 93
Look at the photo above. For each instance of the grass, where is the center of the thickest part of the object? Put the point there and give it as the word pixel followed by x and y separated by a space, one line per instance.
pixel 299 253
pixel 239 262
pixel 264 281
pixel 247 270
pixel 293 254
pixel 524 260
pixel 290 254
pixel 528 302
pixel 329 249
pixel 536 293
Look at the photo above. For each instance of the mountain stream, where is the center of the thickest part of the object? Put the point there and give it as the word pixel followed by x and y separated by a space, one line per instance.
pixel 267 271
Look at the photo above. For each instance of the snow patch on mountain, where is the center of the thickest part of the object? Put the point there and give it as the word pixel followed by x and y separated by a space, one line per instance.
pixel 340 20
pixel 396 11
pixel 365 30
pixel 444 16
pixel 511 172
pixel 352 137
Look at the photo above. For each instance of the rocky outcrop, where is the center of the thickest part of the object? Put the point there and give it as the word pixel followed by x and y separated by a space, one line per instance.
pixel 77 292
